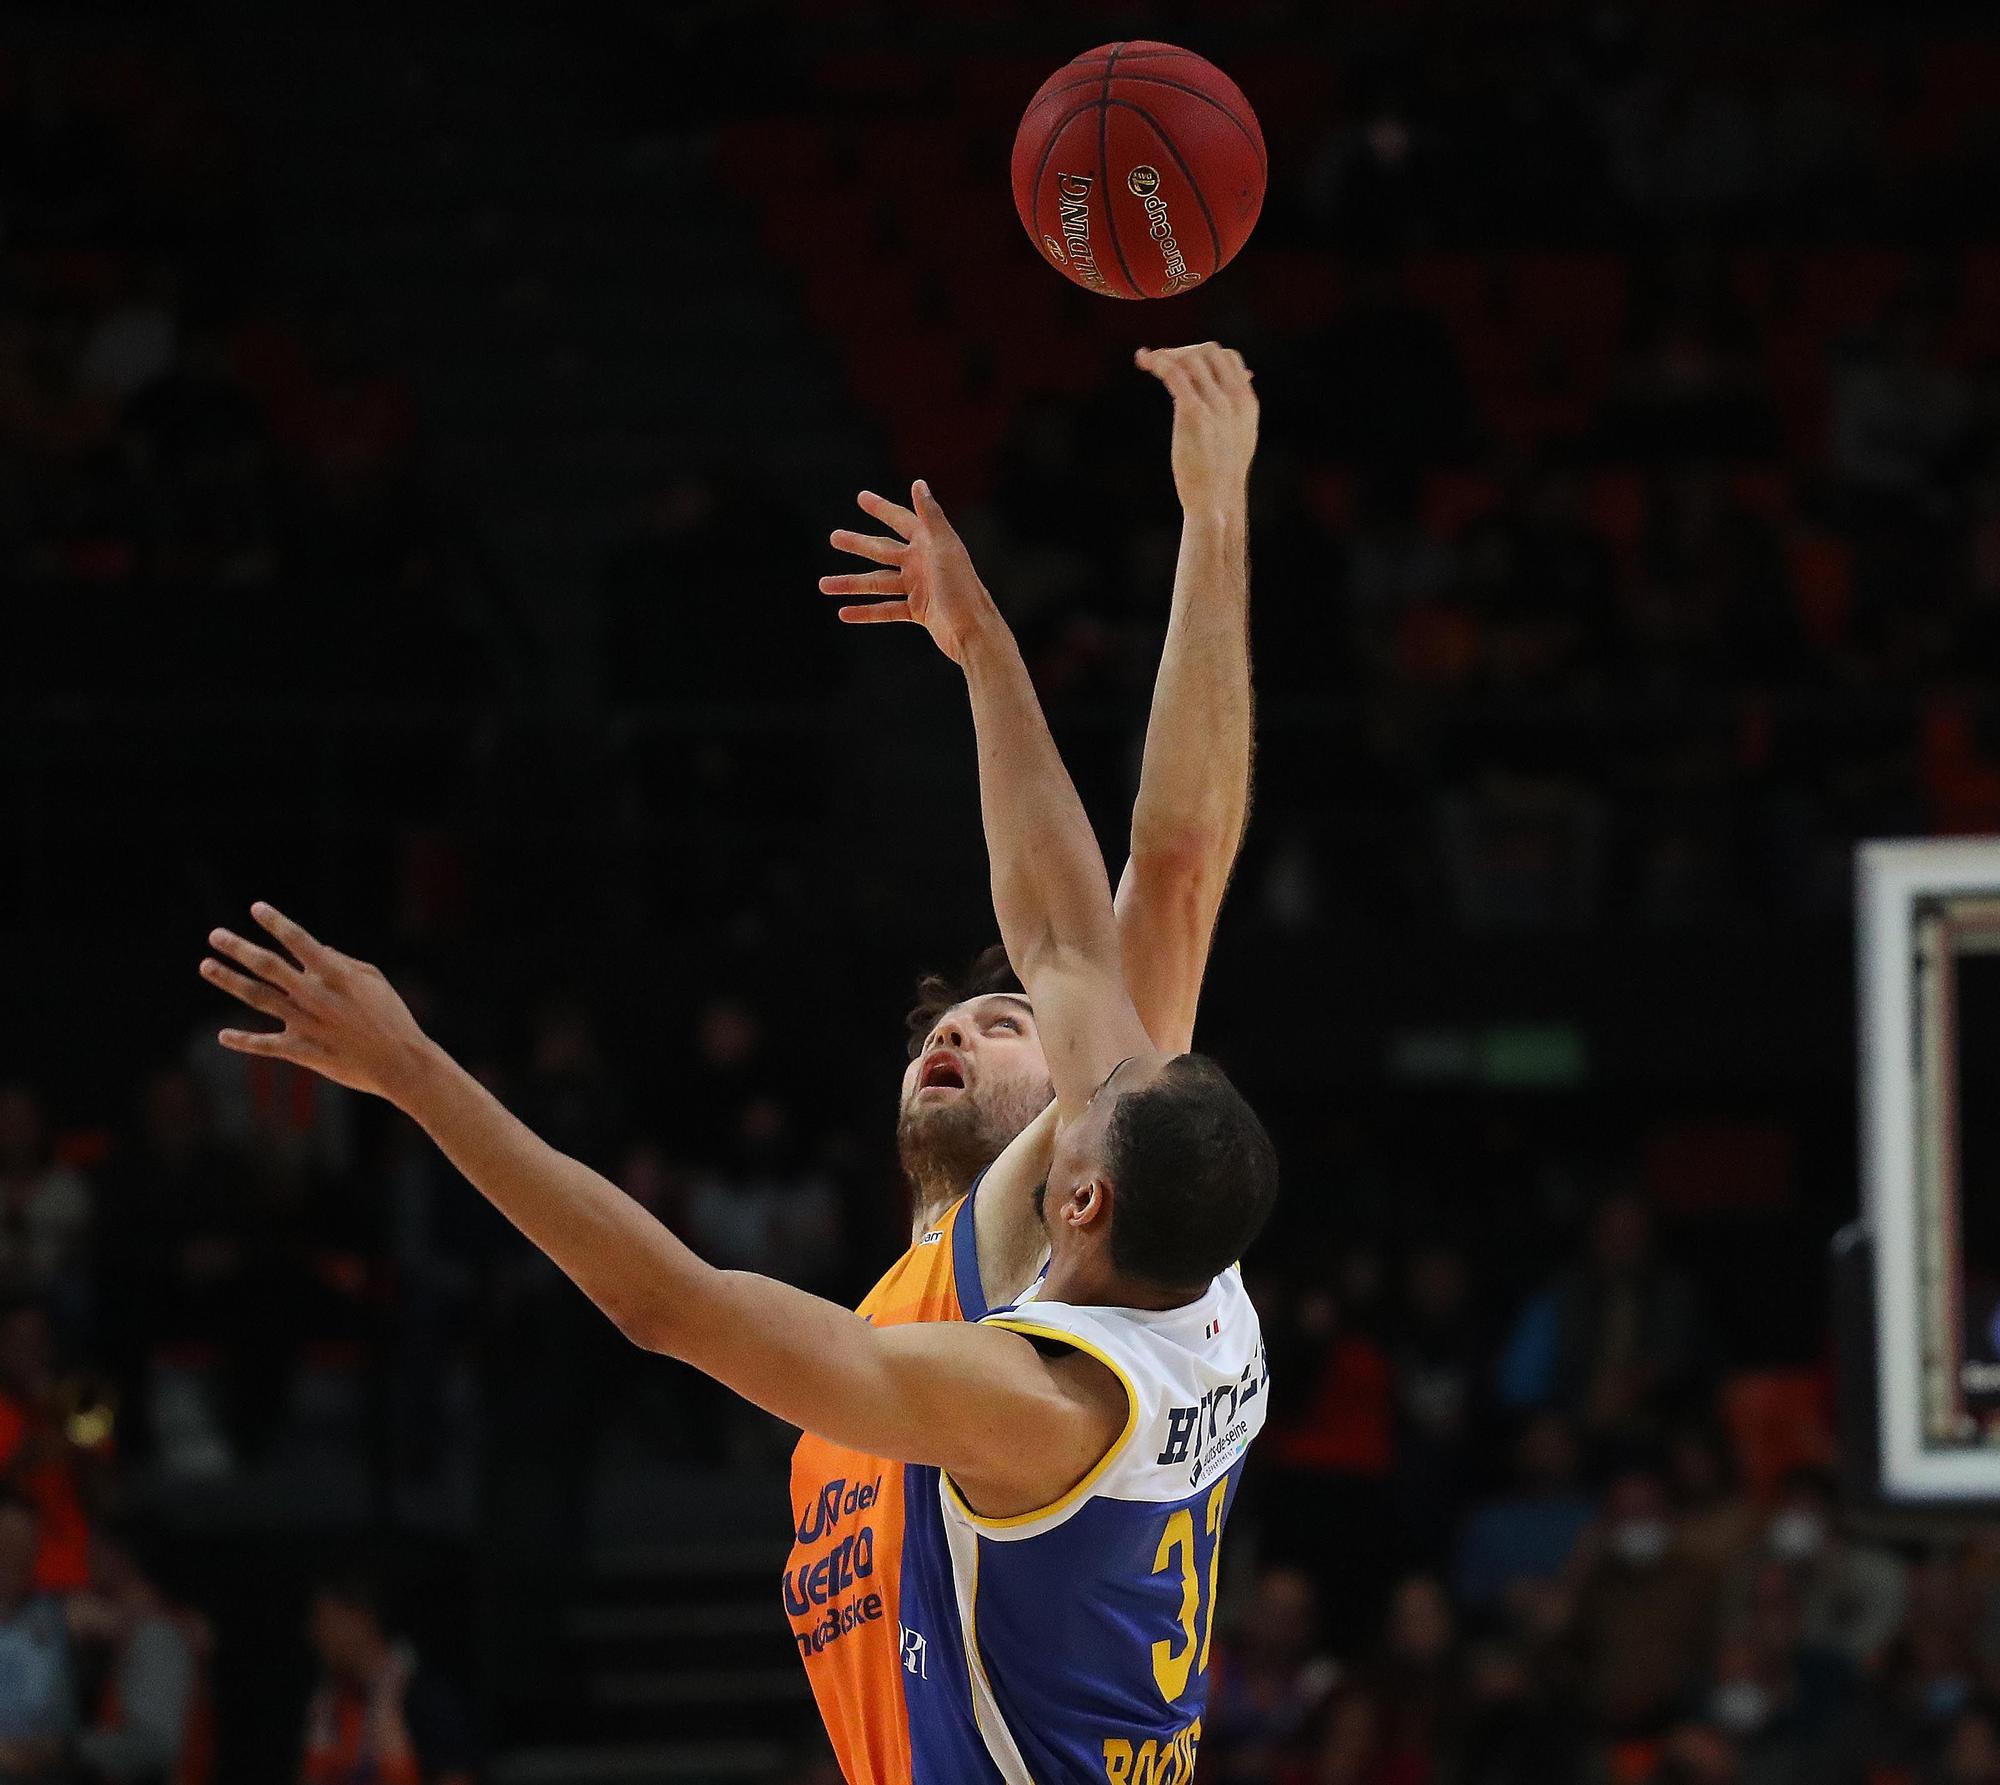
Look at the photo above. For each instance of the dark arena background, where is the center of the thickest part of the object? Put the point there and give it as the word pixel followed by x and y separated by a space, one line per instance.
pixel 419 430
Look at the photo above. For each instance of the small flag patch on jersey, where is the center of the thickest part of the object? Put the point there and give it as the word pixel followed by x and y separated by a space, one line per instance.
pixel 1212 1329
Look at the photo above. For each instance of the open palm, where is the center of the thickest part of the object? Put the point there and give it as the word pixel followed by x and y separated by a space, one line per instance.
pixel 928 580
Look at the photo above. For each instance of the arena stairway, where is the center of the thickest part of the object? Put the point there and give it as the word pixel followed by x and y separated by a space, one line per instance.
pixel 487 219
pixel 670 1664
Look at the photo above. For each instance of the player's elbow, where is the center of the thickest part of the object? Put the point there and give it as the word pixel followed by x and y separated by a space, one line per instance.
pixel 1182 868
pixel 1184 857
pixel 649 1325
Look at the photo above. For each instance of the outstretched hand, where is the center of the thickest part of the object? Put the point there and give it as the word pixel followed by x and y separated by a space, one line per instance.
pixel 929 580
pixel 336 1015
pixel 1215 420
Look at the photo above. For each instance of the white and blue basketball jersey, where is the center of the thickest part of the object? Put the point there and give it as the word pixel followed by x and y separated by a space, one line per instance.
pixel 1071 1644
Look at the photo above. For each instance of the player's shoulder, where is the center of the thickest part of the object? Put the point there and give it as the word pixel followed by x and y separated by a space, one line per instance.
pixel 924 1284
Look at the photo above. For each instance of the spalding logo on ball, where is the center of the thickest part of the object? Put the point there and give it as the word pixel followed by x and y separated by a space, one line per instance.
pixel 1139 169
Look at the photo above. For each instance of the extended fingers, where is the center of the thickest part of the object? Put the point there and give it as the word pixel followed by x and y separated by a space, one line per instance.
pixel 863 582
pixel 270 967
pixel 879 613
pixel 870 546
pixel 245 990
pixel 270 1045
pixel 1207 369
pixel 294 936
pixel 892 515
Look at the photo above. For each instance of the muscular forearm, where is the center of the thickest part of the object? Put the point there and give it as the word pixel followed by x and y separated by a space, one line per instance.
pixel 1194 785
pixel 1050 892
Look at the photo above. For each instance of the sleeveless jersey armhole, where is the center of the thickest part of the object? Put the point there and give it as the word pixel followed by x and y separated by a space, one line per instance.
pixel 1032 1524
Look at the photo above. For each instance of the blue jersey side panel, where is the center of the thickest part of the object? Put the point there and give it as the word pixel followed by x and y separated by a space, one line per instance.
pixel 945 1745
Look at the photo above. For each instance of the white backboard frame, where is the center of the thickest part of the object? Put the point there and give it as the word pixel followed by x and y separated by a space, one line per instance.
pixel 1891 879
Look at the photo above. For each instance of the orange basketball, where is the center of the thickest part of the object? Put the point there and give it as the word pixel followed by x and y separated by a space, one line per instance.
pixel 1139 170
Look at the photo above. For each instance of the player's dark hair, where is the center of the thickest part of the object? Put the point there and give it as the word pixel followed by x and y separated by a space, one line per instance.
pixel 1194 1175
pixel 988 971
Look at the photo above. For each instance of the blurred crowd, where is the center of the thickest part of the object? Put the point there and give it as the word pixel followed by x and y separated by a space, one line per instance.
pixel 185 447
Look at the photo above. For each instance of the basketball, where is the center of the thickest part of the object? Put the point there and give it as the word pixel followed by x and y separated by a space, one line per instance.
pixel 1139 170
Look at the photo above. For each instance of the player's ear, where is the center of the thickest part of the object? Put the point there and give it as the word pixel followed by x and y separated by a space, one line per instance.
pixel 1089 1204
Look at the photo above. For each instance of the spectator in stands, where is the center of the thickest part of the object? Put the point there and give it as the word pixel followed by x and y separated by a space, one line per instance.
pixel 1852 1594
pixel 1719 1525
pixel 1268 1686
pixel 1523 850
pixel 133 342
pixel 1644 1617
pixel 1515 1550
pixel 151 1725
pixel 38 1454
pixel 1404 1717
pixel 1331 1453
pixel 378 1716
pixel 1439 1356
pixel 1927 1682
pixel 45 1210
pixel 190 1266
pixel 1773 1693
pixel 1520 1729
pixel 769 1207
pixel 1400 576
pixel 1617 1340
pixel 37 1681
pixel 1900 414
pixel 1690 387
pixel 1972 1754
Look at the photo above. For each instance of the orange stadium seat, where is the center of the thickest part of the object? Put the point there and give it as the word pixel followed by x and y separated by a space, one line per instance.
pixel 1778 1420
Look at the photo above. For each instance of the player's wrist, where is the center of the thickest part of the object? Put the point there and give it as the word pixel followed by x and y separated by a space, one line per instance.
pixel 419 1078
pixel 1221 514
pixel 986 640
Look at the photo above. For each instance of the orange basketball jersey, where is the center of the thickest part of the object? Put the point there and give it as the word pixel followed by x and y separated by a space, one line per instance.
pixel 843 1582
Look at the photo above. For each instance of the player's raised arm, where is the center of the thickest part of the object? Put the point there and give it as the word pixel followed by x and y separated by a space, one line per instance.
pixel 1194 785
pixel 1050 891
pixel 1014 1429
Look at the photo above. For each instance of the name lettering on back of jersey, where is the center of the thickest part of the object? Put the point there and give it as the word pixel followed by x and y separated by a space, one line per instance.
pixel 1152 1762
pixel 1212 1421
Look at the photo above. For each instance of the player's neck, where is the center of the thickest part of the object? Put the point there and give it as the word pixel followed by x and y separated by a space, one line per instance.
pixel 1086 1283
pixel 929 1204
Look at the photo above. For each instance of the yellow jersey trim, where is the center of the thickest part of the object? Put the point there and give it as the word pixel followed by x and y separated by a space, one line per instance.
pixel 1028 1329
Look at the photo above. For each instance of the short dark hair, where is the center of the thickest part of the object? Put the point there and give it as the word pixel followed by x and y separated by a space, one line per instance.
pixel 1193 1173
pixel 988 971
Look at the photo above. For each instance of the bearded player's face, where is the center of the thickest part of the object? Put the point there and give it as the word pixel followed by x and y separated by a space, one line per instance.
pixel 977 1081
